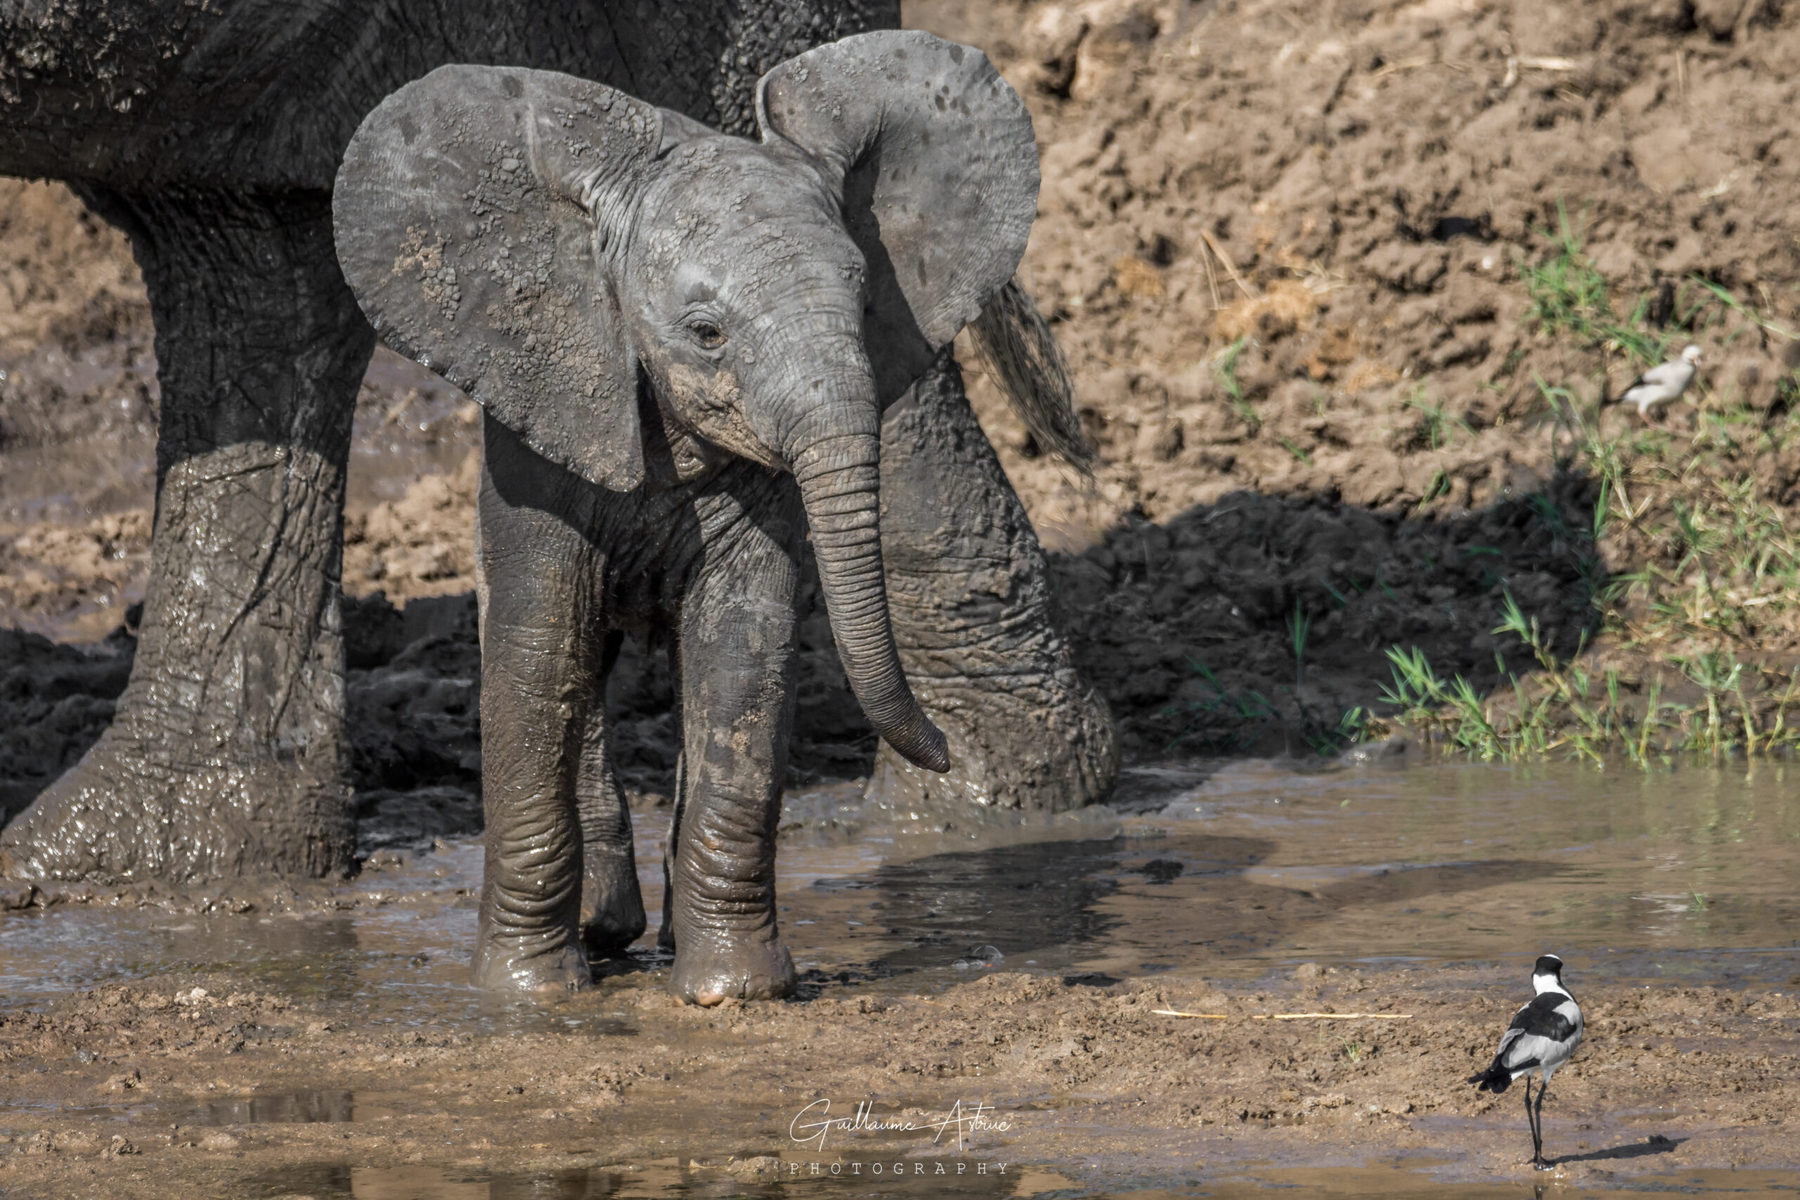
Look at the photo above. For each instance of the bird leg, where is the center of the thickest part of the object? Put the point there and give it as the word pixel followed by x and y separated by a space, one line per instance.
pixel 1531 1121
pixel 1538 1130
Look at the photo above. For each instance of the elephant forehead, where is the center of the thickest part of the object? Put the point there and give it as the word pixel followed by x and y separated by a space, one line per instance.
pixel 728 187
pixel 721 161
pixel 743 234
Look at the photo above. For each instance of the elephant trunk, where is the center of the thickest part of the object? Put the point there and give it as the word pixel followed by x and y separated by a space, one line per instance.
pixel 836 458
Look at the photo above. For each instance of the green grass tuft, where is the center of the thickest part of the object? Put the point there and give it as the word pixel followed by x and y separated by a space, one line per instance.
pixel 1690 563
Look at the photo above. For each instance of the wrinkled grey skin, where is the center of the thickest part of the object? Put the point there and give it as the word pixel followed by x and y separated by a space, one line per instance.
pixel 212 134
pixel 684 342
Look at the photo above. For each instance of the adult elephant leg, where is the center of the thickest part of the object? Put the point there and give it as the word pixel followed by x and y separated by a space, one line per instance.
pixel 737 645
pixel 612 905
pixel 225 756
pixel 538 582
pixel 970 603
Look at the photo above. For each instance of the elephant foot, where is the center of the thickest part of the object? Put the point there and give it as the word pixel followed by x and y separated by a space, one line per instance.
pixel 127 811
pixel 708 973
pixel 1046 748
pixel 505 965
pixel 612 907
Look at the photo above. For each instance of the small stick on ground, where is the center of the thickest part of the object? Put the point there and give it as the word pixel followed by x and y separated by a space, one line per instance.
pixel 1212 282
pixel 1225 261
pixel 1534 62
pixel 1309 1016
pixel 1333 1017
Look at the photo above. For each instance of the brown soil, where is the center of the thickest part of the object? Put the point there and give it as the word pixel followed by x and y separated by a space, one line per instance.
pixel 169 1092
pixel 1351 188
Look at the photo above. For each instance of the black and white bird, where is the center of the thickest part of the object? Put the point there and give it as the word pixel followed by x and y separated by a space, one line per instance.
pixel 1542 1036
pixel 1662 383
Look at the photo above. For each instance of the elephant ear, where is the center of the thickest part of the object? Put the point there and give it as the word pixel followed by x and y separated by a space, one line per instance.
pixel 472 215
pixel 940 179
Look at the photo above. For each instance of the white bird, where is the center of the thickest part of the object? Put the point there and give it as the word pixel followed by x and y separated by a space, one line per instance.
pixel 1662 383
pixel 1542 1036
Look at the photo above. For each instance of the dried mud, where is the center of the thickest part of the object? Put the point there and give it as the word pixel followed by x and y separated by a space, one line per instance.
pixel 1351 189
pixel 168 1092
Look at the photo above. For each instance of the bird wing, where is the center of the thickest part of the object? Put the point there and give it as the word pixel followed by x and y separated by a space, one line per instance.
pixel 1672 375
pixel 1545 1029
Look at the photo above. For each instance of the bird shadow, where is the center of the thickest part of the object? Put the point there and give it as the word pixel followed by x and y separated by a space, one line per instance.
pixel 1656 1143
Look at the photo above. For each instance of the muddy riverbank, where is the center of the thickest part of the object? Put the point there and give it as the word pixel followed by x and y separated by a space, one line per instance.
pixel 334 1048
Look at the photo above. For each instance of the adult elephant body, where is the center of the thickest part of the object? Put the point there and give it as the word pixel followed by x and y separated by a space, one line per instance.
pixel 212 134
pixel 264 97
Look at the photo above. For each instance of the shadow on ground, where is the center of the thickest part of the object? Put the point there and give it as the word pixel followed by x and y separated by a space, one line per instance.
pixel 1246 627
pixel 1251 626
pixel 1655 1144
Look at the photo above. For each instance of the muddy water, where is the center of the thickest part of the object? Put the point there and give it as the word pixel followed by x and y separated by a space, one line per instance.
pixel 1682 876
pixel 1247 868
pixel 1204 875
pixel 1685 875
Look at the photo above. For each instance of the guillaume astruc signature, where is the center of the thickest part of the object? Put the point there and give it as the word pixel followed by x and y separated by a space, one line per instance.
pixel 814 1123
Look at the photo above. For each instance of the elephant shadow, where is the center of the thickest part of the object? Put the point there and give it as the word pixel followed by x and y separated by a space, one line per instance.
pixel 1185 626
pixel 1256 624
pixel 1057 905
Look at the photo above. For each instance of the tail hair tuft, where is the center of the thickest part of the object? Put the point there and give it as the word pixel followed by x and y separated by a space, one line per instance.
pixel 1019 350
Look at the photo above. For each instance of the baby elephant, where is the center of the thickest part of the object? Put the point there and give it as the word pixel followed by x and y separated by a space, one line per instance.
pixel 683 342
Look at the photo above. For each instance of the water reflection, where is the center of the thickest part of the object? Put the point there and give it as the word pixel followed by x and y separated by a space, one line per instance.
pixel 1059 905
pixel 314 955
pixel 1027 901
pixel 326 1106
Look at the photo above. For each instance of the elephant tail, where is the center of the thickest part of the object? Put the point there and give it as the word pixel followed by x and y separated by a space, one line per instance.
pixel 1019 350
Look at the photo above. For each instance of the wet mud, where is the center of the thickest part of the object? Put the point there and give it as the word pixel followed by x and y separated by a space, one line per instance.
pixel 325 1042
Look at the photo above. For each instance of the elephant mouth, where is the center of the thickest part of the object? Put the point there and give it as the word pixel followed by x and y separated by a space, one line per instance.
pixel 676 452
pixel 706 409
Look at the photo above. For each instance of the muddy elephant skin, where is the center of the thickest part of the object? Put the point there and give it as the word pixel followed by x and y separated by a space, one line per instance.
pixel 684 342
pixel 211 134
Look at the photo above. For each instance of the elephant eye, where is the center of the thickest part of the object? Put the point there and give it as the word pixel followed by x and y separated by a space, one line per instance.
pixel 710 336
